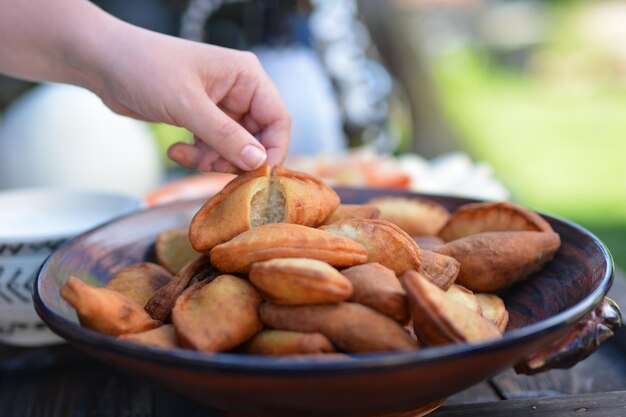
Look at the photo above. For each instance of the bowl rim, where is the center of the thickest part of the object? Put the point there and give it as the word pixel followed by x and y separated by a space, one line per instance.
pixel 233 363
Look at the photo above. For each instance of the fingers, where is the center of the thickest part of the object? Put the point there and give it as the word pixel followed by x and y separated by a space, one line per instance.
pixel 257 105
pixel 269 116
pixel 225 136
pixel 222 165
pixel 200 155
pixel 250 124
pixel 184 154
pixel 243 126
pixel 275 138
pixel 189 155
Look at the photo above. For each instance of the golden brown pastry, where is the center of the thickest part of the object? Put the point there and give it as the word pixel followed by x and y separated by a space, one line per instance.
pixel 239 206
pixel 463 296
pixel 308 200
pixel 438 319
pixel 428 242
pixel 104 310
pixel 378 287
pixel 416 216
pixel 439 269
pixel 351 327
pixel 283 342
pixel 160 305
pixel 163 337
pixel 353 211
pixel 491 261
pixel 386 243
pixel 218 315
pixel 173 249
pixel 139 281
pixel 284 240
pixel 296 281
pixel 493 309
pixel 502 216
pixel 259 197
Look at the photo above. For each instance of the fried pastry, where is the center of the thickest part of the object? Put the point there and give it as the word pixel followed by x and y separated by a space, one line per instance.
pixel 353 211
pixel 160 305
pixel 386 243
pixel 284 240
pixel 173 249
pixel 491 261
pixel 217 315
pixel 437 319
pixel 463 296
pixel 105 310
pixel 439 269
pixel 416 216
pixel 259 197
pixel 351 327
pixel 163 337
pixel 139 282
pixel 283 342
pixel 494 310
pixel 307 200
pixel 239 206
pixel 377 287
pixel 428 242
pixel 502 216
pixel 296 281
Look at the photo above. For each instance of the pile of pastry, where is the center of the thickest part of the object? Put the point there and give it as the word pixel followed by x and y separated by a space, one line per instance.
pixel 275 265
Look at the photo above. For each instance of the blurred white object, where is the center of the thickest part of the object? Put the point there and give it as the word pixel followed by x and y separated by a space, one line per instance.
pixel 450 174
pixel 309 97
pixel 61 135
pixel 33 223
pixel 453 174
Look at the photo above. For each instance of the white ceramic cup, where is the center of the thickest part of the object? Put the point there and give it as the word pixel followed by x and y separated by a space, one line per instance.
pixel 33 223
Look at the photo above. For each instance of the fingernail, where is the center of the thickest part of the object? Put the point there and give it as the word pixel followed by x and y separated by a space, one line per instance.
pixel 252 157
pixel 174 153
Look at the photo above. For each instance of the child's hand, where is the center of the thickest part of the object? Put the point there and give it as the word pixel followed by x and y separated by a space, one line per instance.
pixel 223 96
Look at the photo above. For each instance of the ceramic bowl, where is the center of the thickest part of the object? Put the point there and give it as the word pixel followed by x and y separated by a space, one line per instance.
pixel 542 309
pixel 33 223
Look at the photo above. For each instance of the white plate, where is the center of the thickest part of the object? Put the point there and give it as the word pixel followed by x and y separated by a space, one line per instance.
pixel 33 223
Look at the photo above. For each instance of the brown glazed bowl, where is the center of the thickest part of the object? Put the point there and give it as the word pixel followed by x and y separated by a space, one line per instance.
pixel 542 309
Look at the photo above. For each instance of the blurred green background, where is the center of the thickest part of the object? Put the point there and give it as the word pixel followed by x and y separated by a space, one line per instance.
pixel 554 132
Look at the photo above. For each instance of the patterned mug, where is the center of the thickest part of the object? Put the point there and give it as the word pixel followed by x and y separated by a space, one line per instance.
pixel 33 223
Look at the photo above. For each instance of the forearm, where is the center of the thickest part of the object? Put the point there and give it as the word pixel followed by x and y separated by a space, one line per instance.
pixel 221 95
pixel 56 40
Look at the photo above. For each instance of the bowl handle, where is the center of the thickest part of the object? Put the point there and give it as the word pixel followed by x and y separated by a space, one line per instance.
pixel 578 343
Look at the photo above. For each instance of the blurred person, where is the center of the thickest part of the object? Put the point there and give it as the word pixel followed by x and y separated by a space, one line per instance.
pixel 223 96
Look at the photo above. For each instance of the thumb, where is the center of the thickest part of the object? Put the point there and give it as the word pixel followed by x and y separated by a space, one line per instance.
pixel 227 137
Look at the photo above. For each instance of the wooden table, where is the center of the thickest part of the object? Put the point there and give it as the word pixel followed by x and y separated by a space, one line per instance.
pixel 32 386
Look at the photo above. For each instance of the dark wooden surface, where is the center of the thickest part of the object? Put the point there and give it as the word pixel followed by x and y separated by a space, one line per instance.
pixel 602 404
pixel 31 385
